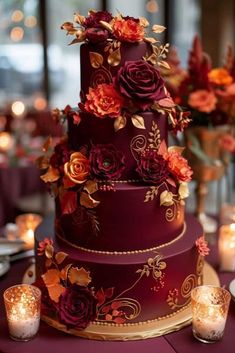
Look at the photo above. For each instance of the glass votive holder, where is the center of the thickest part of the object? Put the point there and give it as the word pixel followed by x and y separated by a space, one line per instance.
pixel 27 223
pixel 22 303
pixel 209 312
pixel 227 213
pixel 226 247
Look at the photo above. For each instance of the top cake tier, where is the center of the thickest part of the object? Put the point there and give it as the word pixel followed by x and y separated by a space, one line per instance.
pixel 99 66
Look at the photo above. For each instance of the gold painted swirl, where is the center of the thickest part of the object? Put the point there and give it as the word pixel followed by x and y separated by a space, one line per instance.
pixel 99 76
pixel 189 283
pixel 138 145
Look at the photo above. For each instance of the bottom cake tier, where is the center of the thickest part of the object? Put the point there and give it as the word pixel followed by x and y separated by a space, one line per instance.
pixel 132 290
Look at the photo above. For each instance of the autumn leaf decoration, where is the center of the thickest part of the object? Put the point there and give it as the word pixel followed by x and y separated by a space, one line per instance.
pixel 57 279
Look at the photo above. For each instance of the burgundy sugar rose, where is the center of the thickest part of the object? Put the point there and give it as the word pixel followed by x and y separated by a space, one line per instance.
pixel 95 17
pixel 60 156
pixel 95 35
pixel 140 81
pixel 152 167
pixel 106 162
pixel 77 307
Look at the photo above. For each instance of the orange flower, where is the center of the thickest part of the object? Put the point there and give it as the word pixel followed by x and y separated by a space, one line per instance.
pixel 128 30
pixel 202 100
pixel 202 246
pixel 77 169
pixel 220 76
pixel 178 166
pixel 104 101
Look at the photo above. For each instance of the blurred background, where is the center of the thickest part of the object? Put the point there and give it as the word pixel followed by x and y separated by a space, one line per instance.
pixel 40 71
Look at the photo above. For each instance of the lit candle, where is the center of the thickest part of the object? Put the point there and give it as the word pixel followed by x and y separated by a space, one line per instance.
pixel 209 312
pixel 22 304
pixel 6 141
pixel 227 247
pixel 27 223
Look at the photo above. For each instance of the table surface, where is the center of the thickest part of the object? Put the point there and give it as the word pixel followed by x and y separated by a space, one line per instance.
pixel 51 340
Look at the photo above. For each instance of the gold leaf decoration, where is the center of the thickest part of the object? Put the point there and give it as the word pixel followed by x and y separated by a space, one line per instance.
pixel 42 162
pixel 75 41
pixel 166 198
pixel 55 292
pixel 138 121
pixel 155 137
pixel 51 277
pixel 107 26
pixel 143 21
pixel 64 272
pixel 183 190
pixel 91 186
pixel 49 251
pixel 151 194
pixel 47 144
pixel 87 201
pixel 96 59
pixel 119 123
pixel 51 175
pixel 60 256
pixel 78 18
pixel 150 40
pixel 164 64
pixel 114 58
pixel 152 58
pixel 158 28
pixel 177 149
pixel 79 276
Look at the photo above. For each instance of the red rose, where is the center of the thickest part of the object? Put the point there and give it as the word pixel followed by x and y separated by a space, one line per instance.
pixel 140 81
pixel 95 35
pixel 106 162
pixel 60 156
pixel 95 17
pixel 77 307
pixel 152 167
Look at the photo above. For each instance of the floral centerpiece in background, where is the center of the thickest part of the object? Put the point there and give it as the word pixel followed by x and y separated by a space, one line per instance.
pixel 209 93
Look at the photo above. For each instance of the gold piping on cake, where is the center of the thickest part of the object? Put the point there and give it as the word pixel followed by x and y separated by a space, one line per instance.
pixel 130 252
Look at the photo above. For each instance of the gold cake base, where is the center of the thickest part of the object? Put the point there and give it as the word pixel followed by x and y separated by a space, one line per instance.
pixel 141 330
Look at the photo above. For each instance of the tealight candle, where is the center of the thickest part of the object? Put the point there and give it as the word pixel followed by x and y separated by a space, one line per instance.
pixel 27 223
pixel 209 312
pixel 22 303
pixel 6 141
pixel 226 246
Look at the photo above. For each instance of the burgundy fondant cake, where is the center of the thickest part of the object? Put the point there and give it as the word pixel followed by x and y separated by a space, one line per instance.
pixel 121 253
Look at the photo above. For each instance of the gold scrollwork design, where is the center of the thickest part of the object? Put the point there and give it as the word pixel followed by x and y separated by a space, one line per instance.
pixel 199 269
pixel 99 76
pixel 119 310
pixel 138 145
pixel 189 283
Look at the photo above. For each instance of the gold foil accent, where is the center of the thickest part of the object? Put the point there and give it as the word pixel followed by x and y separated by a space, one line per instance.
pixel 140 330
pixel 114 57
pixel 96 59
pixel 128 252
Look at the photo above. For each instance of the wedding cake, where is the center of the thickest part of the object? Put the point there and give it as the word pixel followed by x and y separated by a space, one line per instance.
pixel 122 258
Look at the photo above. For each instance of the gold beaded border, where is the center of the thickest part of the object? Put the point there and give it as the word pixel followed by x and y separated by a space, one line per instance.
pixel 124 252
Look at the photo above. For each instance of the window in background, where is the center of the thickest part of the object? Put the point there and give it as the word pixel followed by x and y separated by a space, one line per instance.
pixel 185 23
pixel 64 61
pixel 21 63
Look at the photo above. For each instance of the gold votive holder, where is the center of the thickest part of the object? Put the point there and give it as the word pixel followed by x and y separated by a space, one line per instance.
pixel 209 312
pixel 22 303
pixel 226 247
pixel 227 213
pixel 26 224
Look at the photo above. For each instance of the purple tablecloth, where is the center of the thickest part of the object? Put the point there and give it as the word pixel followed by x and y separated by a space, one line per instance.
pixel 51 340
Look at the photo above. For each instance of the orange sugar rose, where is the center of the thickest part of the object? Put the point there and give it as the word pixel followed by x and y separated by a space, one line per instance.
pixel 220 77
pixel 104 101
pixel 77 169
pixel 178 166
pixel 128 30
pixel 202 100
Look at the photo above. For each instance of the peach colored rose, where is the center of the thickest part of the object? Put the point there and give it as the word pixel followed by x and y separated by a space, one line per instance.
pixel 104 101
pixel 77 169
pixel 202 100
pixel 220 76
pixel 178 166
pixel 128 30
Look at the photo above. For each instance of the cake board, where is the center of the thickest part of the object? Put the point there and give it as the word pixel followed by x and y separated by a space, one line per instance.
pixel 143 330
